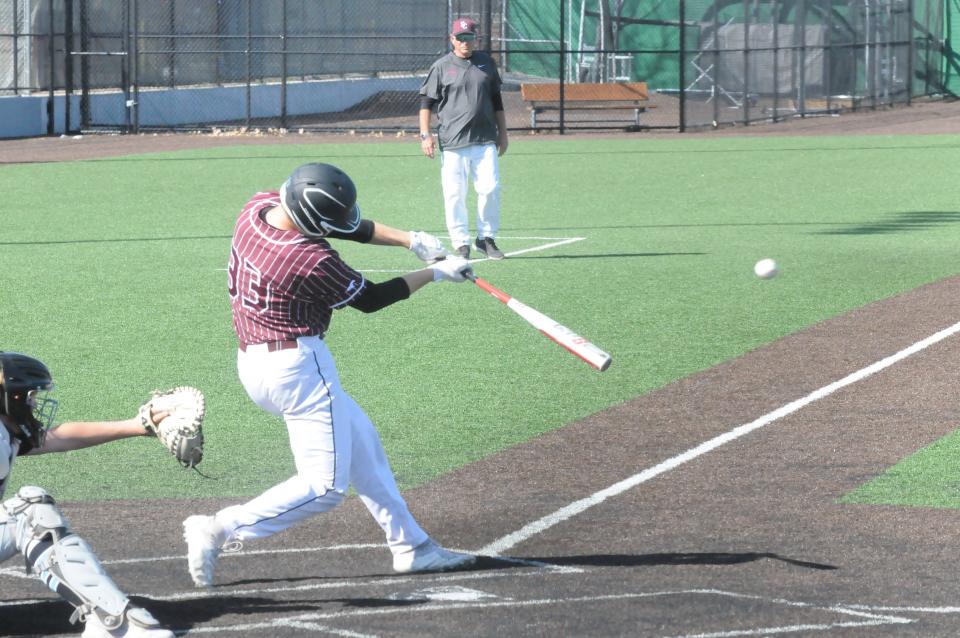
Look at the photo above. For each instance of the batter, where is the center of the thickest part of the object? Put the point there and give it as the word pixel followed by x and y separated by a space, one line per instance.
pixel 285 281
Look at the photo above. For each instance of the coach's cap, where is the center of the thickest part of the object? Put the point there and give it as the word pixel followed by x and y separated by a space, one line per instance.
pixel 461 26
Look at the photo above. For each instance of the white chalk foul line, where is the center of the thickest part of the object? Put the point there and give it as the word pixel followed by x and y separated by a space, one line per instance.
pixel 578 507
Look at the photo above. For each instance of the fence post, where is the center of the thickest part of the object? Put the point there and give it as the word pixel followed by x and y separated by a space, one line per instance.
pixel 746 62
pixel 67 63
pixel 51 50
pixel 926 48
pixel 247 55
pixel 827 76
pixel 563 15
pixel 714 93
pixel 16 57
pixel 910 23
pixel 125 66
pixel 776 60
pixel 84 67
pixel 172 27
pixel 682 71
pixel 802 66
pixel 135 66
pixel 486 22
pixel 283 66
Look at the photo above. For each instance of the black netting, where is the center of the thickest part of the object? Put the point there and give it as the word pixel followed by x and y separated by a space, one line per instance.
pixel 358 64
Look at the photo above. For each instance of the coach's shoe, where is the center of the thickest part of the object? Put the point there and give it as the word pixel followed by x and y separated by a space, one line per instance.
pixel 137 623
pixel 430 557
pixel 488 247
pixel 205 538
pixel 464 251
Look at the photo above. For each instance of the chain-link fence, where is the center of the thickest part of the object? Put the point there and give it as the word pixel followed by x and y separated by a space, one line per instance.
pixel 357 64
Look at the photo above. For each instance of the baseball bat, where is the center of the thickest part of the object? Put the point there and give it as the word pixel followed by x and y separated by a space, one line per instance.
pixel 557 332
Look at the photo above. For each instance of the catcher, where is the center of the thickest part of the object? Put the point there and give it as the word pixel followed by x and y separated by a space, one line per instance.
pixel 31 523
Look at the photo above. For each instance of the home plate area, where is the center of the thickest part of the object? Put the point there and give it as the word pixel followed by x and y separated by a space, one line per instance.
pixel 500 596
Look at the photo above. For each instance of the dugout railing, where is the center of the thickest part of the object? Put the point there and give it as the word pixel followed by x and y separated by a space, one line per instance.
pixel 356 65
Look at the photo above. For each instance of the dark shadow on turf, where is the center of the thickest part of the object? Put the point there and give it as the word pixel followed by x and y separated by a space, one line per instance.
pixel 903 222
pixel 679 558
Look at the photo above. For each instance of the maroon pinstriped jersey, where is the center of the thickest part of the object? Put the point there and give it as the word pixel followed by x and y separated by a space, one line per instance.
pixel 283 285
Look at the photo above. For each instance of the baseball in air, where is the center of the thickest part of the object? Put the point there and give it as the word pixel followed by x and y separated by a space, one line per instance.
pixel 766 269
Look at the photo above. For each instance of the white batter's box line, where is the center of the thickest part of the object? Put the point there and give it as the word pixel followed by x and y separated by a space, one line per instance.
pixel 905 610
pixel 14 572
pixel 466 576
pixel 868 620
pixel 541 569
pixel 19 573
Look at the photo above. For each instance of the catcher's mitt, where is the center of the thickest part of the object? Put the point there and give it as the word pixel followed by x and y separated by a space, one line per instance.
pixel 181 431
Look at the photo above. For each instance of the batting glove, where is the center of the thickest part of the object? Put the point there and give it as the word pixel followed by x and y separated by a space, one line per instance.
pixel 453 269
pixel 427 247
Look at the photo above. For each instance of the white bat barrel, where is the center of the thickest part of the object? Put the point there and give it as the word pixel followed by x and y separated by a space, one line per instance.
pixel 563 336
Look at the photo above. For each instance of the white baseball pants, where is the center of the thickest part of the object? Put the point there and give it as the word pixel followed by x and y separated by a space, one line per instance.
pixel 457 166
pixel 334 445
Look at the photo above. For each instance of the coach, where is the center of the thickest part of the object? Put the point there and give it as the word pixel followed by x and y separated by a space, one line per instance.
pixel 464 87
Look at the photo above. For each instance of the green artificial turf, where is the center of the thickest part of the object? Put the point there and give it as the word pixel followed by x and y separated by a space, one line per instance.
pixel 114 276
pixel 927 478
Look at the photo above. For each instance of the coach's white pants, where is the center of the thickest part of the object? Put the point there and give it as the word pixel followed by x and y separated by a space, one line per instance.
pixel 457 166
pixel 334 445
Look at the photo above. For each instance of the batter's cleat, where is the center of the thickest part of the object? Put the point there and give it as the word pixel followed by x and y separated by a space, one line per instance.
pixel 137 623
pixel 430 557
pixel 205 538
pixel 488 247
pixel 464 251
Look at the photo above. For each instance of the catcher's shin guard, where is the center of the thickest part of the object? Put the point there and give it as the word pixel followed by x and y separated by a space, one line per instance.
pixel 63 561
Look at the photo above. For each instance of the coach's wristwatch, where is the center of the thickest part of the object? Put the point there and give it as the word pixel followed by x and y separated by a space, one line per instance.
pixel 424 136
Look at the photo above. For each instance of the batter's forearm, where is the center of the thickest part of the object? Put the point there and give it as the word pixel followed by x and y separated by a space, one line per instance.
pixel 418 279
pixel 384 235
pixel 377 296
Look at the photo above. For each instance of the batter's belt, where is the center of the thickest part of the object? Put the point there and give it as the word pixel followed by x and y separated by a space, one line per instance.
pixel 272 346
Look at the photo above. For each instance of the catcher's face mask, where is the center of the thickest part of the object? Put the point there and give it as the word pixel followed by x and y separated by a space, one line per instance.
pixel 36 415
pixel 25 385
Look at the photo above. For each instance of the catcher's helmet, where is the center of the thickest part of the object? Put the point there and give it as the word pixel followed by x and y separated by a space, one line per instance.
pixel 24 387
pixel 320 198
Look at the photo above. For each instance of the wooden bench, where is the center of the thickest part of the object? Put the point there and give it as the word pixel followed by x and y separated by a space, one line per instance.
pixel 587 96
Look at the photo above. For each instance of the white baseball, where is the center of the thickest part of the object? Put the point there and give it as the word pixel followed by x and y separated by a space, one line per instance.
pixel 766 269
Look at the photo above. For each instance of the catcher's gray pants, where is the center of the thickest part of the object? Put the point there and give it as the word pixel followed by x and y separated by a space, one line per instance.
pixel 334 445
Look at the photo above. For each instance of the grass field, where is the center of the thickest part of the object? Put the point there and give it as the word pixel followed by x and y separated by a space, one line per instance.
pixel 114 276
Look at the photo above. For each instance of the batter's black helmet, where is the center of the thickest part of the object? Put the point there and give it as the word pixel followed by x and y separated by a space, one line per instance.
pixel 24 386
pixel 320 198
